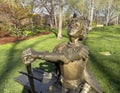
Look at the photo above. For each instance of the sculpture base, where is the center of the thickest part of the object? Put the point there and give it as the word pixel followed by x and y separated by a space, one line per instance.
pixel 46 83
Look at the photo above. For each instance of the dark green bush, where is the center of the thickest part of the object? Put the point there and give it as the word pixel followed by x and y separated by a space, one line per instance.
pixel 27 31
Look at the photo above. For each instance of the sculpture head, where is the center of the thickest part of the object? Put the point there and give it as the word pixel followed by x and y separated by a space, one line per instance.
pixel 78 28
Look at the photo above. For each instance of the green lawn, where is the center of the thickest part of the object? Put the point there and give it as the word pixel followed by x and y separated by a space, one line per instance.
pixel 105 68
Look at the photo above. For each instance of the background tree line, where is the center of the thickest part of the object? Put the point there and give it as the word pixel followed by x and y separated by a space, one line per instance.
pixel 29 17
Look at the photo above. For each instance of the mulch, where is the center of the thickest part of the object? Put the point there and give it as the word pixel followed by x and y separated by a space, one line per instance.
pixel 10 39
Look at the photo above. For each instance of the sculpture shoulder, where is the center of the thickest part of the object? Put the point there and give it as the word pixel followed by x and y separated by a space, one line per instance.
pixel 82 50
pixel 84 46
pixel 60 46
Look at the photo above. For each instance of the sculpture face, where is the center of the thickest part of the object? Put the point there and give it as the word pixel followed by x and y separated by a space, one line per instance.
pixel 77 28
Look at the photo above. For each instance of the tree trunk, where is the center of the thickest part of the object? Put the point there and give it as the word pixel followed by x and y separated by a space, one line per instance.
pixel 59 35
pixel 96 18
pixel 108 13
pixel 32 24
pixel 56 24
pixel 52 21
pixel 119 18
pixel 91 14
pixel 83 2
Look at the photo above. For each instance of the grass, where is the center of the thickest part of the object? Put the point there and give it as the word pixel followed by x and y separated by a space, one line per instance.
pixel 10 61
pixel 105 68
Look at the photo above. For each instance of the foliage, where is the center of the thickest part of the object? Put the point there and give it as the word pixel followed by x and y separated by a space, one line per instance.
pixel 31 13
pixel 37 30
pixel 16 16
pixel 93 24
pixel 21 22
pixel 27 33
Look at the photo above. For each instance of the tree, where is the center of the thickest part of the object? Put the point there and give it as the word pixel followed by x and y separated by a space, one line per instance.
pixel 49 7
pixel 15 15
pixel 59 35
pixel 109 5
pixel 117 8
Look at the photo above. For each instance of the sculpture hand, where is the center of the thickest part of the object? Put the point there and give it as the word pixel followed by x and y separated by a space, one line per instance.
pixel 28 56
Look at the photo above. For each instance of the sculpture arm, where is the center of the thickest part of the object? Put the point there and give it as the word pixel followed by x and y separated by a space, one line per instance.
pixel 30 55
pixel 54 57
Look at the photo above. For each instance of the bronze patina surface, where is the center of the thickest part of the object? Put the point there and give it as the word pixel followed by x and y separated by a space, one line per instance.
pixel 71 59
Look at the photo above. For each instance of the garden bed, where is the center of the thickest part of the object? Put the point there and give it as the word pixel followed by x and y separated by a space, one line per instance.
pixel 10 39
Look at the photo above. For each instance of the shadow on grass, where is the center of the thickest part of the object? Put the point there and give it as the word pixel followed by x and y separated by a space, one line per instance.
pixel 114 81
pixel 109 29
pixel 25 90
pixel 43 66
pixel 47 66
pixel 63 33
pixel 13 60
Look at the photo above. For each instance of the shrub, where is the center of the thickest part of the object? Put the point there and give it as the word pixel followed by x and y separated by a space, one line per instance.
pixel 4 33
pixel 27 33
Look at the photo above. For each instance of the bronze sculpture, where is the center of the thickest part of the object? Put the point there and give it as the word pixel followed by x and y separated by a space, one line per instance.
pixel 71 59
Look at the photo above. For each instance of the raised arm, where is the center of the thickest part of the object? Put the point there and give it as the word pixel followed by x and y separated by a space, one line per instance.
pixel 30 55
